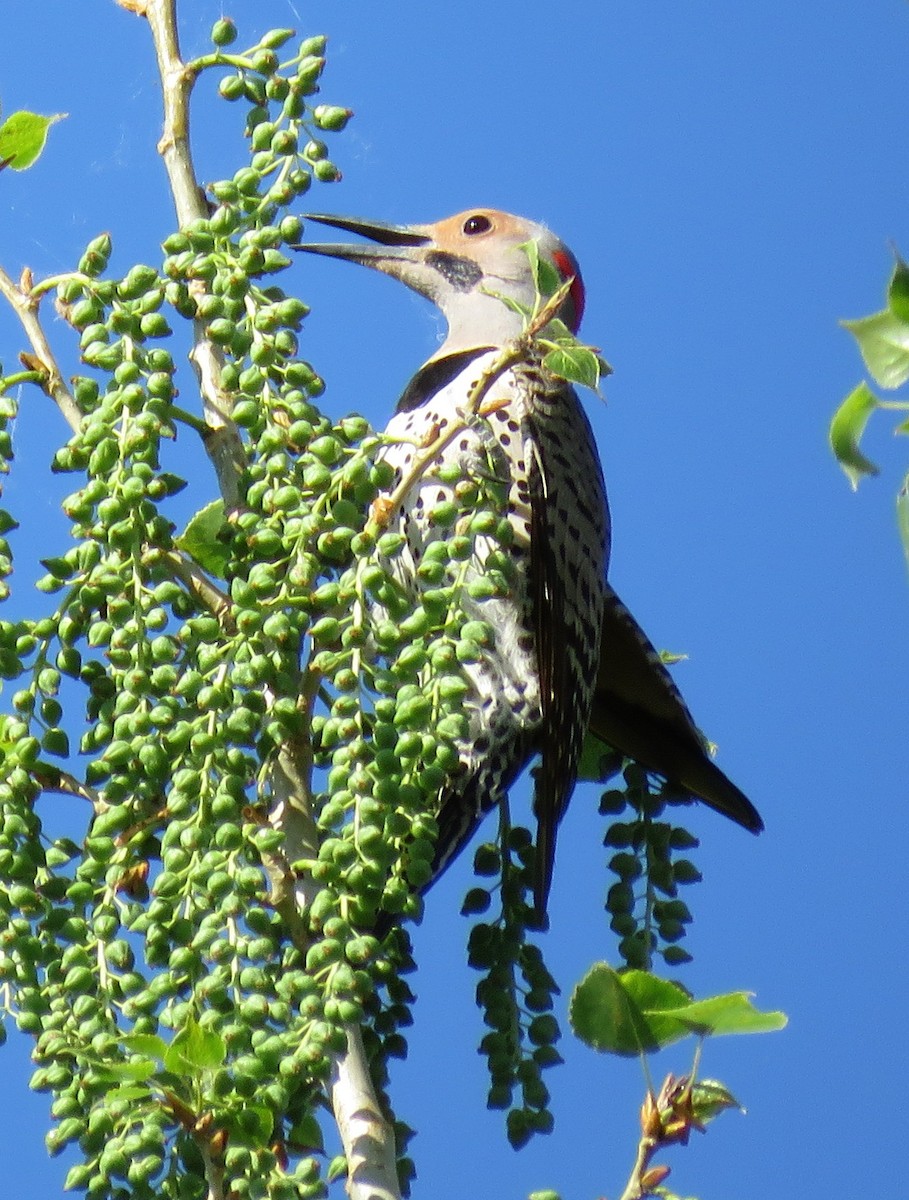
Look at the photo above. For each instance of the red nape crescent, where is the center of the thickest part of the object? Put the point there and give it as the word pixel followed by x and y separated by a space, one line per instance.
pixel 569 269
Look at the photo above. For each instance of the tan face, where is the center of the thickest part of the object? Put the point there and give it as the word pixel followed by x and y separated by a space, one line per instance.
pixel 493 240
pixel 466 232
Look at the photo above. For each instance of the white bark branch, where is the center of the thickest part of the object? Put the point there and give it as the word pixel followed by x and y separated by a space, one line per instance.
pixel 25 306
pixel 367 1137
pixel 223 444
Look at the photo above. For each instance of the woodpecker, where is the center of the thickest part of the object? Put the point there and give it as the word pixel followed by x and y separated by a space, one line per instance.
pixel 567 657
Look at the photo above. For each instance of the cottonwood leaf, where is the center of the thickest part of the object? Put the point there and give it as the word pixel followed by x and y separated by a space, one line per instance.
pixel 883 340
pixel 201 539
pixel 22 138
pixel 575 363
pixel 846 431
pixel 630 1012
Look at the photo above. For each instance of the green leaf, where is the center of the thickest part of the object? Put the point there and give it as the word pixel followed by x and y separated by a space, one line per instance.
pixel 22 138
pixel 134 1071
pixel 606 1014
pixel 337 1168
pixel 200 539
pixel 515 305
pixel 898 291
pixel 633 1011
pixel 729 1013
pixel 307 1134
pixel 671 658
pixel 576 363
pixel 558 332
pixel 194 1050
pixel 532 250
pixel 709 1098
pixel 883 339
pixel 127 1093
pixel 545 275
pixel 598 761
pixel 145 1043
pixel 846 430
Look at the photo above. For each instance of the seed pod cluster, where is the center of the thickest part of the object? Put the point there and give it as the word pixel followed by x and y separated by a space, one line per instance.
pixel 650 866
pixel 516 992
pixel 159 918
pixel 282 124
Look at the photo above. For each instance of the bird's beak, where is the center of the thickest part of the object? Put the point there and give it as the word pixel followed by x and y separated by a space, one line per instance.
pixel 398 252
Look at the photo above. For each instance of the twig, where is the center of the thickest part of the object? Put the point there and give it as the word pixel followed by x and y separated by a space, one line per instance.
pixel 50 379
pixel 55 780
pixel 666 1120
pixel 217 602
pixel 521 349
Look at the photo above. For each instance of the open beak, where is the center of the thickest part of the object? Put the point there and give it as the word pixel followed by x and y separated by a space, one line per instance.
pixel 398 252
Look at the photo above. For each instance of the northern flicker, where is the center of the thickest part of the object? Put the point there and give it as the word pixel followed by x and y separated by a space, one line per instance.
pixel 567 656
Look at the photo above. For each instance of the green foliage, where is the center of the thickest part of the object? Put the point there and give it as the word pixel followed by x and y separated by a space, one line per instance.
pixel 846 431
pixel 165 919
pixel 22 138
pixel 883 340
pixel 156 963
pixel 562 353
pixel 202 541
pixel 633 1012
pixel 516 992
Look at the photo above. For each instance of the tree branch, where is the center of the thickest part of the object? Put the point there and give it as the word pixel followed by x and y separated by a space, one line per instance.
pixel 25 306
pixel 223 443
pixel 367 1137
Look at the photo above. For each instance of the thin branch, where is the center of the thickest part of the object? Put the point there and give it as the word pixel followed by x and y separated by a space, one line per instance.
pixel 222 443
pixel 217 602
pixel 43 362
pixel 367 1137
pixel 521 349
pixel 55 780
pixel 667 1119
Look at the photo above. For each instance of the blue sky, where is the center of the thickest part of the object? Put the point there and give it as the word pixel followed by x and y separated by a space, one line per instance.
pixel 730 178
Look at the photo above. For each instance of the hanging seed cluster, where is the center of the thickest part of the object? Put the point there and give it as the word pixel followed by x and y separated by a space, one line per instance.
pixel 646 912
pixel 179 1029
pixel 516 992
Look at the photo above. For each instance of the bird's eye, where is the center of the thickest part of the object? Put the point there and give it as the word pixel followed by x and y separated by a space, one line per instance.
pixel 477 224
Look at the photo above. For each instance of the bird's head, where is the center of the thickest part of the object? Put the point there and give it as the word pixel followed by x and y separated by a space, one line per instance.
pixel 460 263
